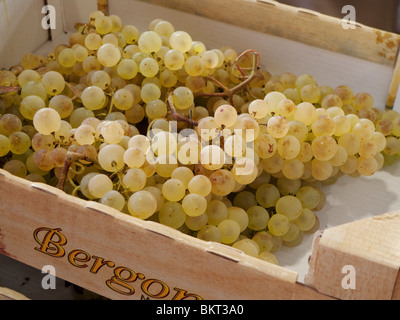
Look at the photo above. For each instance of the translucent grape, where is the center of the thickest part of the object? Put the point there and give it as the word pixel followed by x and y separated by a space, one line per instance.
pixel 149 67
pixel 93 98
pixel 306 113
pixel 217 211
pixel 135 179
pixel 194 66
pixel 210 233
pixel 230 231
pixel 149 42
pixel 278 225
pixel 53 82
pixel 306 220
pixel 277 127
pixel 288 147
pixel 185 175
pixel 181 41
pixel 173 190
pixel 123 99
pixel 172 215
pixel 248 246
pixel 28 75
pixel 127 69
pixel 4 145
pixel 30 105
pixel 111 157
pixel 258 218
pixel 113 199
pixel 62 104
pixel 324 148
pixel 142 204
pixel 150 92
pixel 223 182
pixel 66 58
pixel 196 223
pixel 194 205
pixel 289 206
pixel 323 126
pixel 235 146
pixel 267 195
pixel 134 157
pixel 108 55
pixel 99 185
pixel 47 121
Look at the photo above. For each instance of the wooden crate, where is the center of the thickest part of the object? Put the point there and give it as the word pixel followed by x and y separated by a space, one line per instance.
pixel 121 257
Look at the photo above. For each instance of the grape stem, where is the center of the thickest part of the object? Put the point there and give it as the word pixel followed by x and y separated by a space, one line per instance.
pixel 176 116
pixel 69 160
pixel 229 92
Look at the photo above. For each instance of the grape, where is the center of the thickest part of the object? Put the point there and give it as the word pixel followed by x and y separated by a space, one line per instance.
pixel 156 109
pixel 149 42
pixel 53 82
pixel 235 146
pixel 351 142
pixel 100 79
pixel 321 170
pixel 5 145
pixel 268 257
pixel 278 225
pixel 93 98
pixel 28 75
pixel 131 34
pixel 47 121
pixel 165 165
pixel 258 218
pixel 99 185
pixel 267 195
pixel 150 92
pixel 196 223
pixel 248 246
pixel 277 127
pixel 172 215
pixel 173 190
pixel 194 66
pixel 135 179
pixel 306 220
pixel 194 205
pixel 289 206
pixel 310 93
pixel 142 204
pixel 225 116
pixel 16 168
pixel 20 143
pixel 230 230
pixel 108 55
pixel 111 157
pixel 9 123
pixel 304 80
pixel 127 69
pixel 291 234
pixel 324 148
pixel 66 58
pixel 264 241
pixel 57 157
pixel 210 233
pixel 289 147
pixel 62 104
pixel 30 105
pixel 34 88
pixel 286 108
pixel 323 126
pixel 181 41
pixel 344 93
pixel 367 167
pixel 223 182
pixel 123 99
pixel 306 113
pixel 149 67
pixel 185 175
pixel 217 211
pixel 240 216
pixel 183 98
pixel 134 157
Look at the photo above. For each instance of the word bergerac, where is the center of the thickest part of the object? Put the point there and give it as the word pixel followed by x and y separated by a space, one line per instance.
pixel 53 243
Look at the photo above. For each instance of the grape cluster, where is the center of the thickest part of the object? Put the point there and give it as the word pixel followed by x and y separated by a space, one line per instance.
pixel 206 141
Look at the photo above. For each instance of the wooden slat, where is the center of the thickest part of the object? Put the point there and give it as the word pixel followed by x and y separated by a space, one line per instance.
pixel 371 247
pixel 8 294
pixel 183 263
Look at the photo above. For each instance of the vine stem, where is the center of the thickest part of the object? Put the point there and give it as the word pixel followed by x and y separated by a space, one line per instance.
pixel 69 160
pixel 176 116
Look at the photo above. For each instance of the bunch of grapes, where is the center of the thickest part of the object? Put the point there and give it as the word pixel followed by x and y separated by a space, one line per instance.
pixel 206 141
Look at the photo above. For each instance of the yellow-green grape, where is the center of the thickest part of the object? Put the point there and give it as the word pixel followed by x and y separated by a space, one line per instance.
pixel 34 177
pixel 267 195
pixel 66 58
pixel 62 104
pixel 223 182
pixel 53 82
pixel 123 99
pixel 342 125
pixel 110 38
pixel 113 199
pixel 141 142
pixel 149 42
pixel 335 111
pixel 230 231
pixel 250 128
pixel 210 59
pixel 100 79
pixel 149 67
pixel 293 169
pixel 351 142
pixel 46 121
pixel 258 218
pixel 309 197
pixel 345 94
pixel 31 61
pixel 278 225
pixel 185 175
pixel 16 168
pixel 164 143
pixel 135 114
pixel 40 141
pixel 225 116
pixel 183 98
pixel 156 191
pixel 91 63
pixel 85 134
pixel 293 94
pixel 287 186
pixel 248 247
pixel 323 126
pixel 259 108
pixel 168 78
pixel 392 146
pixel 80 52
pixel 33 88
pixel 165 165
pixel 291 234
pixel 194 205
pixel 306 220
pixel 273 99
pixel 112 132
pixel 207 129
pixel 245 200
pixel 131 34
pixel 134 157
pixel 321 170
pixel 306 113
pixel 28 75
pixel 127 69
pixel 130 50
pixel 30 105
pixel 108 55
pixel 156 109
pixel 324 148
pixel 310 93
pixel 181 41
pixel 235 146
pixel 288 147
pixel 78 115
pixel 265 146
pixel 20 142
pixel 174 60
pixel 264 241
pixel 289 206
pixel 99 185
pixel 367 167
pixel 245 171
pixel 363 129
pixel 135 179
pixel 303 80
pixel 240 216
pixel 103 25
pixel 164 28
pixel 331 100
pixel 368 149
pixel 42 160
pixel 380 141
pixel 93 98
pixel 268 257
pixel 93 41
pixel 5 145
pixel 277 127
pixel 350 166
pixel 196 223
pixel 173 190
pixel 150 92
pixel 194 66
pixel 210 233
pixel 286 108
pixel 217 211
pixel 111 157
pixel 172 215
pixel 142 204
